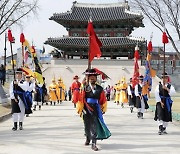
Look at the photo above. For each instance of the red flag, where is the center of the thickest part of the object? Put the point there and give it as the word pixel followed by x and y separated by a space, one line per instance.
pixel 135 78
pixel 95 43
pixel 150 48
pixel 22 38
pixel 136 53
pixel 10 37
pixel 164 38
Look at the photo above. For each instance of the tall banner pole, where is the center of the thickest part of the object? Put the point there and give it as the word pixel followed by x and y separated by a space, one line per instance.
pixel 22 40
pixel 11 39
pixel 5 49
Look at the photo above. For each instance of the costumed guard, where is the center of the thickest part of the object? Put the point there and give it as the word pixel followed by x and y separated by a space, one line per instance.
pixel 29 87
pixel 93 105
pixel 19 100
pixel 53 92
pixel 123 92
pixel 163 93
pixel 141 91
pixel 38 95
pixel 117 92
pixel 75 88
pixel 61 90
pixel 131 96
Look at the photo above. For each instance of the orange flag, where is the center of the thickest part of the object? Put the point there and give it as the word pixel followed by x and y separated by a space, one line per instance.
pixel 94 43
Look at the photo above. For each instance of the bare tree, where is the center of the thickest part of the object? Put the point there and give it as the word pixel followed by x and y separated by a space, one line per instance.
pixel 13 11
pixel 165 15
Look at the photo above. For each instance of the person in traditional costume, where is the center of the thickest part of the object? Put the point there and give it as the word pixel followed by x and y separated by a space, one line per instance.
pixel 38 95
pixel 45 95
pixel 131 96
pixel 29 85
pixel 123 92
pixel 141 90
pixel 117 92
pixel 92 106
pixel 53 92
pixel 61 90
pixel 163 93
pixel 75 88
pixel 19 100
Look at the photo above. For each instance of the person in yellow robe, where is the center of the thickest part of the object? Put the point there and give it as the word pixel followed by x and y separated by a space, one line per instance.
pixel 53 92
pixel 123 92
pixel 61 90
pixel 117 93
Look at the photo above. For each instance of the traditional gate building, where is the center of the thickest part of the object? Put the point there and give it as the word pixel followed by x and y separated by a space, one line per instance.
pixel 113 24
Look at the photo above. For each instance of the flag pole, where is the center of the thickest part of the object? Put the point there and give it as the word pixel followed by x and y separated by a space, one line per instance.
pixel 22 40
pixel 11 39
pixel 5 49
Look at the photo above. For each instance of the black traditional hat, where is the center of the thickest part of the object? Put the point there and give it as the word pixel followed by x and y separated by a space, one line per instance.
pixel 19 70
pixel 164 75
pixel 141 77
pixel 90 72
pixel 76 77
pixel 130 79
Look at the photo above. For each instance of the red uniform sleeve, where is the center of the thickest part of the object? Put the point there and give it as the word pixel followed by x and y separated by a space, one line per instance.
pixel 102 99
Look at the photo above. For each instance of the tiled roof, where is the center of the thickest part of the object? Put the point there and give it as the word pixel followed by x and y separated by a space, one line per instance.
pixel 83 42
pixel 81 12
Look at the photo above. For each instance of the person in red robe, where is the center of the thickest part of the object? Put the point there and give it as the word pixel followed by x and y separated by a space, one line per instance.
pixel 75 88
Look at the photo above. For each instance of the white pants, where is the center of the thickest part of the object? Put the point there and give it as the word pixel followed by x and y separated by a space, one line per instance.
pixel 142 109
pixel 36 103
pixel 19 117
pixel 160 122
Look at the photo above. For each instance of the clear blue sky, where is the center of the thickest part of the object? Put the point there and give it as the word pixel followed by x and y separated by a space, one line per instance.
pixel 38 29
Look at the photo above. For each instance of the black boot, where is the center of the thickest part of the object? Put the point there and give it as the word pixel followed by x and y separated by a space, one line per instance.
pixel 51 102
pixel 139 114
pixel 94 147
pixel 20 126
pixel 34 108
pixel 160 132
pixel 39 107
pixel 87 141
pixel 15 126
pixel 74 105
pixel 131 109
pixel 164 130
pixel 54 103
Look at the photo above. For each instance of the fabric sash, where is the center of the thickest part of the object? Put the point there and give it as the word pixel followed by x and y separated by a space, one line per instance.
pixel 102 130
pixel 168 102
pixel 24 95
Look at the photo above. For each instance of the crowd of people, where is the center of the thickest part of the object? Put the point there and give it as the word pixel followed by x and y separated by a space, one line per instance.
pixel 90 100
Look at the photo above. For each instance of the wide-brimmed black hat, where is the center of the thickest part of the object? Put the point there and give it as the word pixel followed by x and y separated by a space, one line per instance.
pixel 164 75
pixel 141 77
pixel 90 72
pixel 19 70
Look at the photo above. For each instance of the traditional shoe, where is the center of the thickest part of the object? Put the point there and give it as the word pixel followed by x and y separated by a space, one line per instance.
pixel 94 147
pixel 20 126
pixel 164 130
pixel 15 126
pixel 131 109
pixel 87 142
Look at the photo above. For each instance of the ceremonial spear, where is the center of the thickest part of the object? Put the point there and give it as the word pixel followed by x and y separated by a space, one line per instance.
pixel 11 40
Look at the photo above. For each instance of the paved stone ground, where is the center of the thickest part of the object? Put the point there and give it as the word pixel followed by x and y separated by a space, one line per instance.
pixel 59 130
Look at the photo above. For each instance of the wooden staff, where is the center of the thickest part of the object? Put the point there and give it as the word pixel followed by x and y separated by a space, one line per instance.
pixel 11 40
pixel 22 40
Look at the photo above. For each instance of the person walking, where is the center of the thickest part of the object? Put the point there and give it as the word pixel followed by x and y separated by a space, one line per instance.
pixel 163 93
pixel 94 104
pixel 18 102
